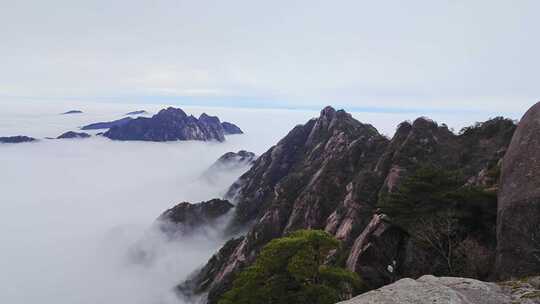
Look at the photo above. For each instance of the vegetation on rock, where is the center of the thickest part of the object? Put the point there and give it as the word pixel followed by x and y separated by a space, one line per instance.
pixel 453 222
pixel 292 269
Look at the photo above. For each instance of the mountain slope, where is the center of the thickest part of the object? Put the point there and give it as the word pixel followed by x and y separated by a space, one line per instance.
pixel 329 174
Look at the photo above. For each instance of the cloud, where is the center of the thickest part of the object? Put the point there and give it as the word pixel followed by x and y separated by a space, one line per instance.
pixel 73 210
pixel 447 55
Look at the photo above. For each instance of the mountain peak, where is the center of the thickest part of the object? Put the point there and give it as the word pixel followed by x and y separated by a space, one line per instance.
pixel 328 112
pixel 171 112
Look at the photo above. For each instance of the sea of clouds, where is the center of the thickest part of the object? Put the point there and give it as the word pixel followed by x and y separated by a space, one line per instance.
pixel 72 210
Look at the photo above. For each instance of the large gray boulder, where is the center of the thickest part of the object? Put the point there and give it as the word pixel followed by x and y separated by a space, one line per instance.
pixel 448 290
pixel 518 215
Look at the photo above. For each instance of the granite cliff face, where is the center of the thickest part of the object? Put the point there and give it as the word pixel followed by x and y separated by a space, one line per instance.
pixel 168 125
pixel 329 174
pixel 518 231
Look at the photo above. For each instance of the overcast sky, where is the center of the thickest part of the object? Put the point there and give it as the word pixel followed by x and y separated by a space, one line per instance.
pixel 379 55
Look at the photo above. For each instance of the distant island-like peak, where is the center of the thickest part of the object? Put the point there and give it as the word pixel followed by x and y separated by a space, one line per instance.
pixel 170 124
pixel 139 112
pixel 16 139
pixel 72 112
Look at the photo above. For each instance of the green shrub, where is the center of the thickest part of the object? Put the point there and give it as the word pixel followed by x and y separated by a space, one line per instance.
pixel 291 270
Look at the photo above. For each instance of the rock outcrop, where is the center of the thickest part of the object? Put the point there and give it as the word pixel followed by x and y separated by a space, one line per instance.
pixel 71 134
pixel 446 290
pixel 169 125
pixel 16 139
pixel 107 124
pixel 518 230
pixel 233 160
pixel 329 174
pixel 230 128
pixel 376 251
pixel 185 217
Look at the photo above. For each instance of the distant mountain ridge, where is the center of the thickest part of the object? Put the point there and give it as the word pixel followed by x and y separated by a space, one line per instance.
pixel 169 125
pixel 16 139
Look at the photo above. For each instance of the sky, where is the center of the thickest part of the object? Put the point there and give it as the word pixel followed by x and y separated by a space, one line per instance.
pixel 378 56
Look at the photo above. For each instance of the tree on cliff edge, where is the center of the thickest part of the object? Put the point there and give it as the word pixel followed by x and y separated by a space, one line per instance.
pixel 291 270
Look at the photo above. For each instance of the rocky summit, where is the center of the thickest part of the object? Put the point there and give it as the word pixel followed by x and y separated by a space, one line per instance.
pixel 518 252
pixel 230 128
pixel 169 125
pixel 333 172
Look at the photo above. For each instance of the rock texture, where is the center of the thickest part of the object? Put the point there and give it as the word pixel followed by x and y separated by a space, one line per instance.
pixel 328 174
pixel 168 125
pixel 16 139
pixel 107 124
pixel 518 231
pixel 375 250
pixel 230 128
pixel 444 290
pixel 185 217
pixel 71 134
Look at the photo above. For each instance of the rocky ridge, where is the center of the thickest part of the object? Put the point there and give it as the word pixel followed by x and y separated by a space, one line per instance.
pixel 329 174
pixel 169 125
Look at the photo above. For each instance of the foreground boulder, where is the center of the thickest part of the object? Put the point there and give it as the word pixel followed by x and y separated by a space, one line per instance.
pixel 185 217
pixel 107 124
pixel 448 290
pixel 16 139
pixel 518 229
pixel 71 134
pixel 169 125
